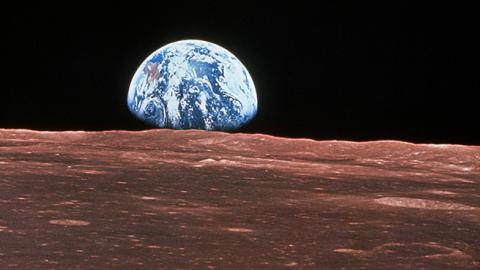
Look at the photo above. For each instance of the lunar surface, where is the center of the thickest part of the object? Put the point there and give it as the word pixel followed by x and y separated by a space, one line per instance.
pixel 166 199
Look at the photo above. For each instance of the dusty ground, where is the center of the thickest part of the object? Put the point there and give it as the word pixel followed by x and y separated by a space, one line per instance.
pixel 205 200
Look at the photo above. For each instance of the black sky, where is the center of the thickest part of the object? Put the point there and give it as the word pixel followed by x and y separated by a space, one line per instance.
pixel 322 70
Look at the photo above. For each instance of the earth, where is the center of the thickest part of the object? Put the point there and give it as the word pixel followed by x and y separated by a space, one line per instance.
pixel 193 84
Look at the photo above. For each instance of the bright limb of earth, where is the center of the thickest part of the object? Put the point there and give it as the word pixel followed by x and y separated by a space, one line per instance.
pixel 193 84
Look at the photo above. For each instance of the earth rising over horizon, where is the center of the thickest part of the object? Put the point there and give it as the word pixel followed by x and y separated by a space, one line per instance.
pixel 193 84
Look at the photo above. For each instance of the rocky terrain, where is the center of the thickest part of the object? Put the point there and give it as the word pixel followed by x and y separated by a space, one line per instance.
pixel 164 199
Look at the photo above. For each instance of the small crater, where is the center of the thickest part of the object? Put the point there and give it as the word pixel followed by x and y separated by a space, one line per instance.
pixel 422 204
pixel 207 160
pixel 204 162
pixel 355 223
pixel 72 202
pixel 291 264
pixel 239 230
pixel 69 222
pixel 93 172
pixel 350 251
pixel 148 198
